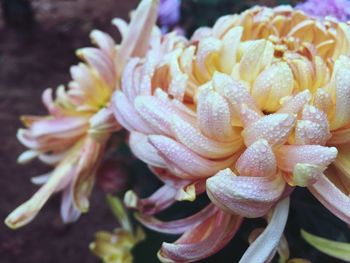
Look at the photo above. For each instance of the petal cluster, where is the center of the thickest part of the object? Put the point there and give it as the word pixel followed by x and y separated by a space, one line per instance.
pixel 74 134
pixel 246 111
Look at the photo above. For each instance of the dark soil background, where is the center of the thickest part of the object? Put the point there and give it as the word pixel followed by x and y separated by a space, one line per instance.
pixel 36 53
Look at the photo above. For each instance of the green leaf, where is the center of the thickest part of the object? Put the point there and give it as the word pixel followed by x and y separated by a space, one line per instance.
pixel 119 212
pixel 335 249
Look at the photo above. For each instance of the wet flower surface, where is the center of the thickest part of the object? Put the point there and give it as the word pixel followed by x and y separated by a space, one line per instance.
pixel 246 111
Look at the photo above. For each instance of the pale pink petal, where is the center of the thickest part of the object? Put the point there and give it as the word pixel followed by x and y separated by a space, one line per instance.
pixel 136 41
pixel 101 63
pixel 214 116
pixel 236 93
pixel 202 241
pixel 275 128
pixel 202 145
pixel 308 132
pixel 104 41
pixel 283 248
pixel 27 156
pixel 311 113
pixel 248 116
pixel 126 115
pixel 103 122
pixel 200 33
pixel 207 47
pixel 53 158
pixel 178 156
pixel 127 80
pixel 257 160
pixel 49 103
pixel 145 151
pixel 177 226
pixel 156 113
pixel 295 104
pixel 332 198
pixel 121 25
pixel 44 144
pixel 40 179
pixel 244 195
pixel 290 155
pixel 69 212
pixel 61 127
pixel 265 246
pixel 84 81
pixel 313 128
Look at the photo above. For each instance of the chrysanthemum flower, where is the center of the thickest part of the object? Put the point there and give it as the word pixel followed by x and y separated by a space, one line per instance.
pixel 169 13
pixel 246 111
pixel 73 136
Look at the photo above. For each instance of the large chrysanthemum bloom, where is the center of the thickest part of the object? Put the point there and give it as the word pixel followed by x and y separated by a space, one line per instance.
pixel 246 111
pixel 73 136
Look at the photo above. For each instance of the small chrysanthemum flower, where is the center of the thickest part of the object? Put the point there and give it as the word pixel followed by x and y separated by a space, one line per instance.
pixel 169 13
pixel 340 9
pixel 73 136
pixel 246 110
pixel 116 247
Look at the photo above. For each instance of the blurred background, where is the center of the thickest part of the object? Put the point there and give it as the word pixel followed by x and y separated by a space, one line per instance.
pixel 38 40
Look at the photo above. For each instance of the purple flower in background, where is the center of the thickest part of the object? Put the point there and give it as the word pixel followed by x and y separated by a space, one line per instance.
pixel 339 9
pixel 169 13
